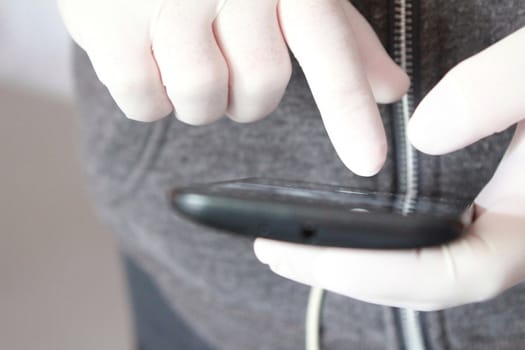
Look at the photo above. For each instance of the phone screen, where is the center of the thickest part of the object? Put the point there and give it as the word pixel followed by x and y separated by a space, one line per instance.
pixel 337 196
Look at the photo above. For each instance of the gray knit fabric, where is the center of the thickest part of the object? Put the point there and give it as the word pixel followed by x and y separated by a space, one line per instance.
pixel 214 282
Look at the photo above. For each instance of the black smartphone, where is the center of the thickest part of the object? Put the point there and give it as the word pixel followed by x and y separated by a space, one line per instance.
pixel 323 215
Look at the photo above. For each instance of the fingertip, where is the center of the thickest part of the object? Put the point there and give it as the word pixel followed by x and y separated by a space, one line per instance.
pixel 389 83
pixel 198 119
pixel 369 163
pixel 443 122
pixel 245 119
pixel 143 108
pixel 134 84
pixel 142 118
pixel 201 97
pixel 247 116
pixel 145 119
pixel 148 116
pixel 201 101
pixel 423 134
pixel 416 135
pixel 371 170
pixel 249 108
pixel 397 87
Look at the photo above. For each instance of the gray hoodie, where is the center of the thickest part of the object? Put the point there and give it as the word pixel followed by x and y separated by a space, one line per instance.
pixel 213 281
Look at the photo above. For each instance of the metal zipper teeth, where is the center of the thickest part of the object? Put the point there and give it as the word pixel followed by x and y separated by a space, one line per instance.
pixel 403 51
pixel 404 54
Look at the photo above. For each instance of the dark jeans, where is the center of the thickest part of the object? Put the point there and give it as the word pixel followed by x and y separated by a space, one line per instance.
pixel 157 326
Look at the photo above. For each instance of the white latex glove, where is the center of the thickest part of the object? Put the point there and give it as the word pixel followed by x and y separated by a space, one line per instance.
pixel 206 58
pixel 482 95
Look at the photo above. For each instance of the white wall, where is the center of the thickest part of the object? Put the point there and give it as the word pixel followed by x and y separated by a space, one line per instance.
pixel 34 47
pixel 61 283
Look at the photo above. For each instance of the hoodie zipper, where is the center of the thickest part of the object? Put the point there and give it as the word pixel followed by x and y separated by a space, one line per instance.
pixel 403 39
pixel 403 17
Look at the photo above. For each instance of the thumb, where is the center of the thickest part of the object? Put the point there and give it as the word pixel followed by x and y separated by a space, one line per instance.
pixel 483 95
pixel 505 192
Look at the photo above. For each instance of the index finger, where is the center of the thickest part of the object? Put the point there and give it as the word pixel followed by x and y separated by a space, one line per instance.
pixel 321 38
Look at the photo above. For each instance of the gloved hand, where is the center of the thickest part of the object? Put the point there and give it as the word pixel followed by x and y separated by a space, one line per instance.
pixel 482 95
pixel 210 57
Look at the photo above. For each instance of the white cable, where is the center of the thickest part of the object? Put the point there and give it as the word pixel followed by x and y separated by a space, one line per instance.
pixel 220 6
pixel 313 319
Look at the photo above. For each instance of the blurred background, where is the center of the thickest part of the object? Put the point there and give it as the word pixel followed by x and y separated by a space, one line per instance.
pixel 61 281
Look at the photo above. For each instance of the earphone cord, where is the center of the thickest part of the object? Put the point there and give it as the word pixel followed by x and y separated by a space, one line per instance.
pixel 313 319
